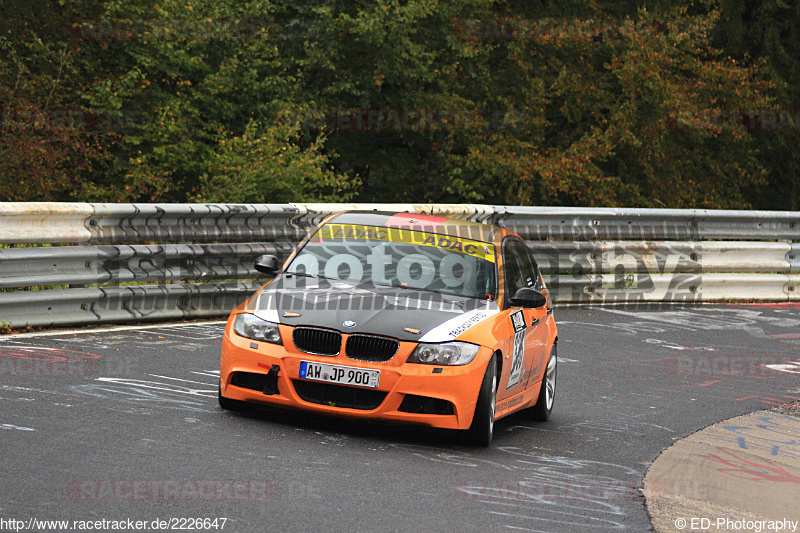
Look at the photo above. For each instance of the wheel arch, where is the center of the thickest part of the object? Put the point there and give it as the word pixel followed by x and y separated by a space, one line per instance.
pixel 498 357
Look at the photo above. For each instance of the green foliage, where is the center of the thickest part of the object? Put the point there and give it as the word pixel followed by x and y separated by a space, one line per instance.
pixel 44 154
pixel 553 111
pixel 769 30
pixel 264 166
pixel 197 98
pixel 506 102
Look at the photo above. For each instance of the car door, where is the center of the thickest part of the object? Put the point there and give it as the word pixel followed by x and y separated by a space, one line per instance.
pixel 525 356
pixel 538 334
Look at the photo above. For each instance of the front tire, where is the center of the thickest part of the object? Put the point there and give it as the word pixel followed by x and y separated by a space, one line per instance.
pixel 482 429
pixel 544 405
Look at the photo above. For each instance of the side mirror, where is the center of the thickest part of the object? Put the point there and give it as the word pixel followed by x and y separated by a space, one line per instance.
pixel 527 297
pixel 267 264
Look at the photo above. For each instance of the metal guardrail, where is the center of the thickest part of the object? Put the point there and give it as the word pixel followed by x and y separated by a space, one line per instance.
pixel 648 224
pixel 67 260
pixel 157 263
pixel 63 307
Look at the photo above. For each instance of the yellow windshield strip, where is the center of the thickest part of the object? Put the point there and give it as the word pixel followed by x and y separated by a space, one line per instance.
pixel 471 247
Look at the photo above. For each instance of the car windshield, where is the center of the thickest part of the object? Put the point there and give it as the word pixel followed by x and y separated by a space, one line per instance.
pixel 399 257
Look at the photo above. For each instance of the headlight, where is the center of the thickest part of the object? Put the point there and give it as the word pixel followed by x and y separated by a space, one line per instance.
pixel 252 327
pixel 445 354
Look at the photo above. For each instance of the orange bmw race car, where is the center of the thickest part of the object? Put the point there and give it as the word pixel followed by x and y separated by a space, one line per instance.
pixel 403 317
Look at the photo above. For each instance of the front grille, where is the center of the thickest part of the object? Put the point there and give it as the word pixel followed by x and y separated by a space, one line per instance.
pixel 317 341
pixel 338 395
pixel 370 348
pixel 424 405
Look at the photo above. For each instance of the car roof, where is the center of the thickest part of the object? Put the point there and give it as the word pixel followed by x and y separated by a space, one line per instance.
pixel 418 222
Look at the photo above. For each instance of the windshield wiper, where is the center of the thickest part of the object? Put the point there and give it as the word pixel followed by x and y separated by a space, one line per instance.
pixel 301 274
pixel 399 286
pixel 446 293
pixel 319 276
pixel 305 275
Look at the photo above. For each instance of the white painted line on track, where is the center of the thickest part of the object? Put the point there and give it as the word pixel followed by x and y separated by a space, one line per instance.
pixel 209 373
pixel 179 379
pixel 132 327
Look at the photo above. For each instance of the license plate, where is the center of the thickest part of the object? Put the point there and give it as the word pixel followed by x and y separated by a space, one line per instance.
pixel 344 375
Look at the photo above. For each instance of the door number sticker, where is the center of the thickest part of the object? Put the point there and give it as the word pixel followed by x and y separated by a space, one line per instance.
pixel 515 374
pixel 518 321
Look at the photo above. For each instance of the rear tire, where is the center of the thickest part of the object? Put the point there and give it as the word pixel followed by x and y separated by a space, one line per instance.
pixel 482 429
pixel 544 405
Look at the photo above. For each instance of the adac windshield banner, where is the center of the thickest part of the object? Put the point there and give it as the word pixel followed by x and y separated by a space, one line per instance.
pixel 341 232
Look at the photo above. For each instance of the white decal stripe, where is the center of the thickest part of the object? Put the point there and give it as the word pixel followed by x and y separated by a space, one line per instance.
pixel 267 307
pixel 454 327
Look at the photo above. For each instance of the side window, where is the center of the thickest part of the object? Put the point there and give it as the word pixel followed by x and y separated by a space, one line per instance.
pixel 528 271
pixel 536 272
pixel 518 269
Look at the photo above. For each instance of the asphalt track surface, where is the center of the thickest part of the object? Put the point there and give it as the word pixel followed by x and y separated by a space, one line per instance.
pixel 125 424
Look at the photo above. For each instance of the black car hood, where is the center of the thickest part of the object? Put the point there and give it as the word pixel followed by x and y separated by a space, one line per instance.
pixel 405 314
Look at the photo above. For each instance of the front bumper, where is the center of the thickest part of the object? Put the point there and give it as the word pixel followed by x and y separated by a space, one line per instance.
pixel 435 396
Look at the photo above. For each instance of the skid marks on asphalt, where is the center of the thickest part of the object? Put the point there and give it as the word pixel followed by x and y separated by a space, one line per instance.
pixel 191 392
pixel 752 366
pixel 184 337
pixel 698 319
pixel 534 491
pixel 15 427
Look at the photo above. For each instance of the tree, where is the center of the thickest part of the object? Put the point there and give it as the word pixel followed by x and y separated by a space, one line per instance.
pixel 769 30
pixel 197 90
pixel 562 103
pixel 46 150
pixel 540 104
